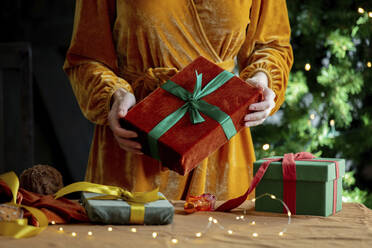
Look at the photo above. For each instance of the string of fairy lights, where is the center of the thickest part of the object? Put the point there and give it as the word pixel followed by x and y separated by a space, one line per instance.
pixel 171 238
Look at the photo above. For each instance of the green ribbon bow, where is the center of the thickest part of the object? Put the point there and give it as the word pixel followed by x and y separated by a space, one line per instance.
pixel 193 104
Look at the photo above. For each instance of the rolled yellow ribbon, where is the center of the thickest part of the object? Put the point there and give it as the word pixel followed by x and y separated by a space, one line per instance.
pixel 19 228
pixel 136 200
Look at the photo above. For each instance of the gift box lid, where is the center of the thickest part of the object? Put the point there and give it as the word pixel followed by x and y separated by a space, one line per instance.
pixel 118 211
pixel 314 171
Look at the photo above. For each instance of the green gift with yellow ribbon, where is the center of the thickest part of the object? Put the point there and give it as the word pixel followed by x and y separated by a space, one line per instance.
pixel 114 205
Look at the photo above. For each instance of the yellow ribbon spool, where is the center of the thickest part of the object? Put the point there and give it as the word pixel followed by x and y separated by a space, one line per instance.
pixel 19 228
pixel 135 200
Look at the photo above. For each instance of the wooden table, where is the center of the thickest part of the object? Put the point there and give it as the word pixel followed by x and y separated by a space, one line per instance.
pixel 352 227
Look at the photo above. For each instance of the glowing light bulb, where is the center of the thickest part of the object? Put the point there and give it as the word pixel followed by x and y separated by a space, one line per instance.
pixel 210 219
pixel 281 234
pixel 370 14
pixel 230 232
pixel 307 67
pixel 73 234
pixel 369 64
pixel 241 217
pixel 266 147
pixel 215 221
pixel 255 234
pixel 312 116
pixel 332 122
pixel 133 229
pixel 154 235
pixel 360 10
pixel 254 199
pixel 199 234
pixel 90 233
pixel 272 196
pixel 60 229
pixel 289 214
pixel 253 222
pixel 174 241
pixel 53 222
pixel 237 217
pixel 109 229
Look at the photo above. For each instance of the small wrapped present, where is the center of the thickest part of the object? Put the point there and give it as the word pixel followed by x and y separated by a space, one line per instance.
pixel 308 185
pixel 120 212
pixel 114 205
pixel 191 115
pixel 204 202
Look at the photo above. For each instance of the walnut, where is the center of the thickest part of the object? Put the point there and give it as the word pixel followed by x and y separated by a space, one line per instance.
pixel 41 179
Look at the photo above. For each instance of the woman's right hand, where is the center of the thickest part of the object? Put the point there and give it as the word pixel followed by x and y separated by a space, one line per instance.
pixel 122 101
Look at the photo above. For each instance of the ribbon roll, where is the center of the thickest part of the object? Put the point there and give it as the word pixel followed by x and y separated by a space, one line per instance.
pixel 19 228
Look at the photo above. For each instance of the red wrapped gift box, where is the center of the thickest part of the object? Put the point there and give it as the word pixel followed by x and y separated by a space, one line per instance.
pixel 186 144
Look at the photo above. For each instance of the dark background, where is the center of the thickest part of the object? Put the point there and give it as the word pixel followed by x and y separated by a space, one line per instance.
pixel 61 134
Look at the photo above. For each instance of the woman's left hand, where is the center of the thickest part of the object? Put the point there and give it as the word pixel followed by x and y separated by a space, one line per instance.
pixel 262 109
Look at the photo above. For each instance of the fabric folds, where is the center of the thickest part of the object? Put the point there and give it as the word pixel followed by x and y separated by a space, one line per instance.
pixel 138 45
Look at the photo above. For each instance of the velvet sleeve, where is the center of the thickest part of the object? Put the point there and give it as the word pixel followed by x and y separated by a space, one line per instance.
pixel 267 46
pixel 91 62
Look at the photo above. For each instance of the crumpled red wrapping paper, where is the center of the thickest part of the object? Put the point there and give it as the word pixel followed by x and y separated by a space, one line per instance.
pixel 59 210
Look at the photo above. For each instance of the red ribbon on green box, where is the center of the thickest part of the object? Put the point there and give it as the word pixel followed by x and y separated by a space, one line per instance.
pixel 289 181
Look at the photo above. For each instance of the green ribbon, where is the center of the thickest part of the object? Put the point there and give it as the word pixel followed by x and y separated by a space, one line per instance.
pixel 193 104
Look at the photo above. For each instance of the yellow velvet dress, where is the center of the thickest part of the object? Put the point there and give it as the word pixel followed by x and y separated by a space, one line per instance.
pixel 138 44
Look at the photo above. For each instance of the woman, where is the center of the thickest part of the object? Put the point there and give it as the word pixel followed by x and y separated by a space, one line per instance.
pixel 123 47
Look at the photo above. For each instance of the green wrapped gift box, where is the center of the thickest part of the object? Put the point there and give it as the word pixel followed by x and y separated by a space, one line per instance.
pixel 314 186
pixel 118 211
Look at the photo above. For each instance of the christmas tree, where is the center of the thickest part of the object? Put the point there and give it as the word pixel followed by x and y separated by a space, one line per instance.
pixel 328 107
